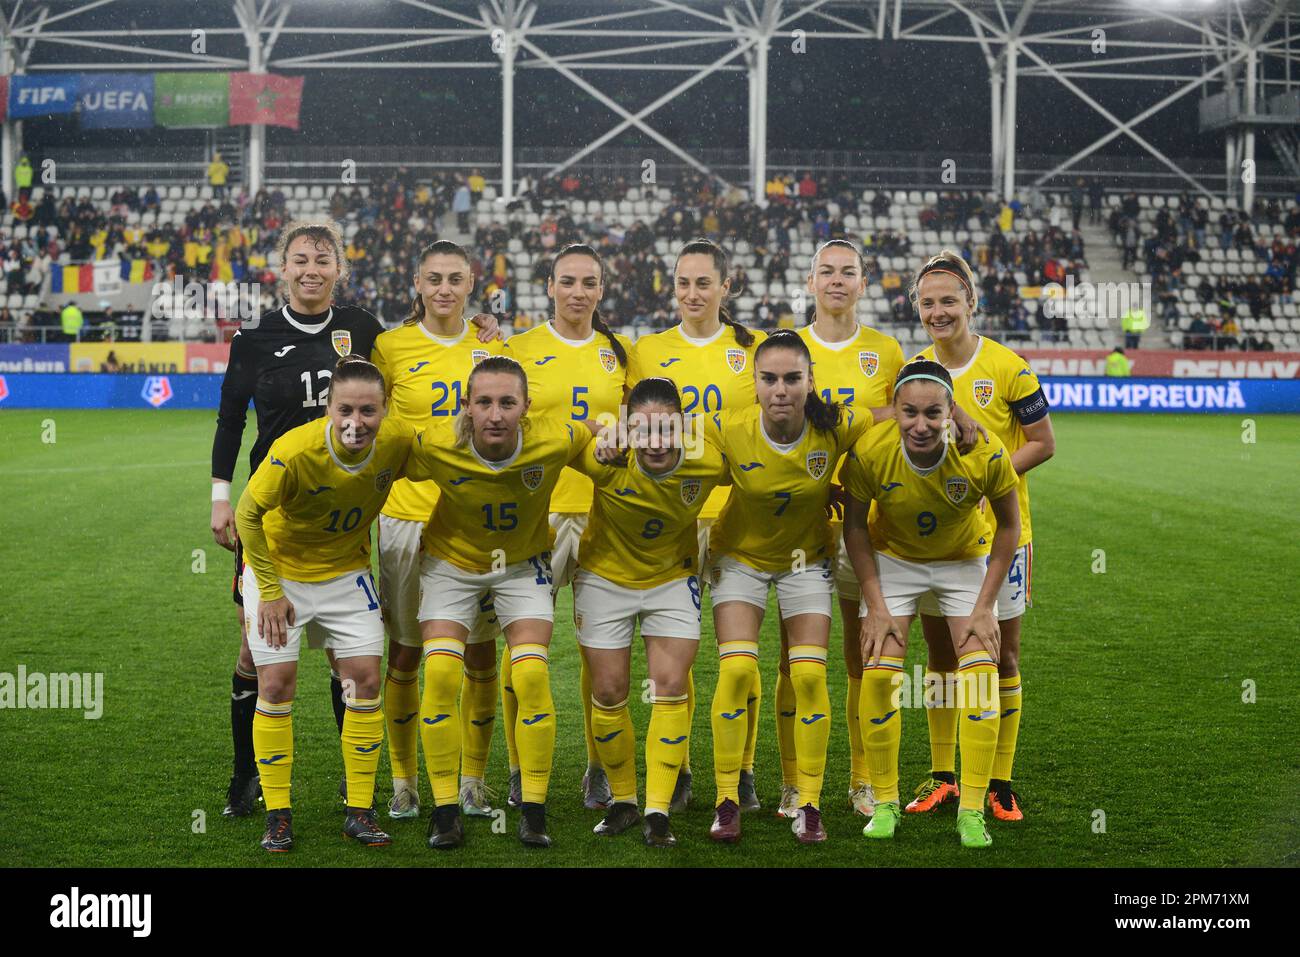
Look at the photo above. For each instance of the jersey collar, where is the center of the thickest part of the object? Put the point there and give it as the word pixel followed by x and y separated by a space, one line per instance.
pixel 504 463
pixel 310 329
pixel 778 447
pixel 834 346
pixel 573 343
pixel 329 445
pixel 916 468
pixel 443 340
pixel 962 370
pixel 708 340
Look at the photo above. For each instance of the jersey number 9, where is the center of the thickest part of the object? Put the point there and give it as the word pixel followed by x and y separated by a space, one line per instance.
pixel 927 523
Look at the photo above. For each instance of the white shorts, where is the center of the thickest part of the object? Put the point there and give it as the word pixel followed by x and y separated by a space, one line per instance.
pixel 951 588
pixel 846 581
pixel 341 614
pixel 606 614
pixel 1014 595
pixel 807 592
pixel 568 527
pixel 399 586
pixel 518 591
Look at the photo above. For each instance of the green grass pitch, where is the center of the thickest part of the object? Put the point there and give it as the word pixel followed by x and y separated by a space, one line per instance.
pixel 1133 678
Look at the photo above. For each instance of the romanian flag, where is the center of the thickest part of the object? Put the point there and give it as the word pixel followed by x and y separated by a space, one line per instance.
pixel 136 271
pixel 69 279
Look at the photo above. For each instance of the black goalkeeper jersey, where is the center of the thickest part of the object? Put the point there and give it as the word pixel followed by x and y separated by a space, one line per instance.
pixel 284 365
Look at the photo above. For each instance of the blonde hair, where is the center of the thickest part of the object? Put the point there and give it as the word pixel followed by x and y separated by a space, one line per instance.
pixel 951 262
pixel 326 233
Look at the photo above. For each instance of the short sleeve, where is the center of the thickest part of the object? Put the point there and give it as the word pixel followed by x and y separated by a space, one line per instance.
pixel 854 474
pixel 1001 476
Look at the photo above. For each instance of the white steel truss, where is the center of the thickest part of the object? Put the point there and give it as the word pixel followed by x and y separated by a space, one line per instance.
pixel 1136 45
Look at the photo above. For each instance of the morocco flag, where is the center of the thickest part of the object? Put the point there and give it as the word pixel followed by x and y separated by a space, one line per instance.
pixel 265 98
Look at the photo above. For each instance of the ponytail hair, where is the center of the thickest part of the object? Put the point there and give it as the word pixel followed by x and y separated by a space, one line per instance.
pixel 355 368
pixel 464 424
pixel 597 323
pixel 927 369
pixel 655 389
pixel 443 247
pixel 722 263
pixel 824 416
pixel 949 262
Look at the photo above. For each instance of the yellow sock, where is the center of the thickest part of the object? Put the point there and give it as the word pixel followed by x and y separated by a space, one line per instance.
pixel 812 725
pixel 881 720
pixel 690 723
pixel 401 708
pixel 363 733
pixel 273 747
pixel 478 713
pixel 611 728
pixel 535 733
pixel 941 715
pixel 977 694
pixel 859 772
pixel 509 710
pixel 751 733
pixel 1008 726
pixel 444 659
pixel 665 747
pixel 737 665
pixel 785 708
pixel 584 688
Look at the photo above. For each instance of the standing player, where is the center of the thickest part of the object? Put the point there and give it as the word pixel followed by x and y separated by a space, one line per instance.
pixel 283 364
pixel 496 470
pixel 928 538
pixel 577 368
pixel 304 520
pixel 1003 394
pixel 773 531
pixel 855 366
pixel 426 361
pixel 710 357
pixel 640 564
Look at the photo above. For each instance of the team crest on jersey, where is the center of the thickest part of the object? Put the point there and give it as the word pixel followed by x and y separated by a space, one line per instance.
pixel 478 355
pixel 736 360
pixel 532 477
pixel 956 489
pixel 608 361
pixel 818 459
pixel 690 491
pixel 983 390
pixel 870 362
pixel 342 341
pixel 383 480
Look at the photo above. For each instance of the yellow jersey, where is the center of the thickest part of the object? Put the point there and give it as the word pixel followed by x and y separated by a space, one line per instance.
pixel 320 503
pixel 927 515
pixel 489 508
pixel 574 380
pixel 777 507
pixel 426 376
pixel 1000 391
pixel 642 528
pixel 711 374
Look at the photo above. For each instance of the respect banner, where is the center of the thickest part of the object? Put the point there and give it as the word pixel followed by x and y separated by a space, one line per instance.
pixel 191 99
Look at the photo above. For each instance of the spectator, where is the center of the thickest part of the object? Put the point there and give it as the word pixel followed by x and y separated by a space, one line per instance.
pixel 1076 201
pixel 218 171
pixel 23 177
pixel 1130 236
pixel 1134 322
pixel 1095 196
pixel 71 320
pixel 461 205
pixel 1117 364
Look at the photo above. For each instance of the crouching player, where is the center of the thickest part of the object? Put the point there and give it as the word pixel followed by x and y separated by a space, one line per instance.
pixel 304 519
pixel 638 559
pixel 495 468
pixel 928 536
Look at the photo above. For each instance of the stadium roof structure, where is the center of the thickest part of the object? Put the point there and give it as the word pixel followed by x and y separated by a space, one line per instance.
pixel 1242 50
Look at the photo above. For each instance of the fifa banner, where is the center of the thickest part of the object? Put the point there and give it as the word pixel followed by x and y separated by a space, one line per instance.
pixel 43 94
pixel 1249 396
pixel 191 99
pixel 148 357
pixel 71 391
pixel 116 101
pixel 1160 363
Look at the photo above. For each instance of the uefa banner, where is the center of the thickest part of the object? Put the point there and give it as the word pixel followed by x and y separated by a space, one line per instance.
pixel 1180 397
pixel 116 101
